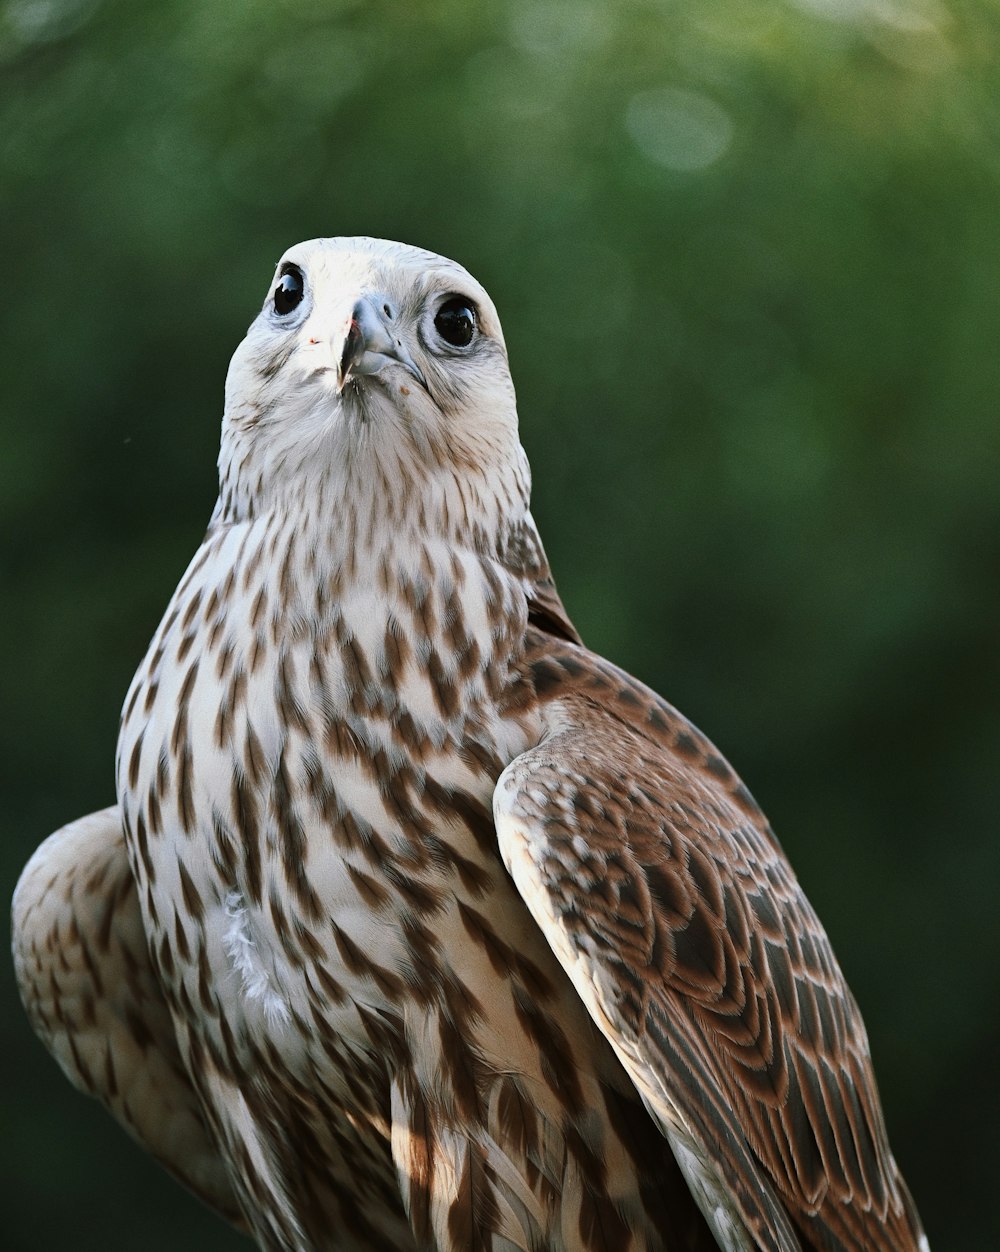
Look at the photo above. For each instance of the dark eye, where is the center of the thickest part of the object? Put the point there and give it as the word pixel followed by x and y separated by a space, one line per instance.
pixel 289 290
pixel 455 321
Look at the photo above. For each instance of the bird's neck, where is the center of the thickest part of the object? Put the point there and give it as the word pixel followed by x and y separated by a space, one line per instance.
pixel 351 509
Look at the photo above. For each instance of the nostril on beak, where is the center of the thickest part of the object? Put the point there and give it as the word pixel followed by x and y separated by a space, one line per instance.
pixel 370 342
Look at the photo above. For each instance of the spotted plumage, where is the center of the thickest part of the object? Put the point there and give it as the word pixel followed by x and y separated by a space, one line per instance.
pixel 417 925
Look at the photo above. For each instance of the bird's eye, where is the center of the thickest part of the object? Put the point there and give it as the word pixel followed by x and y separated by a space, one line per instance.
pixel 455 321
pixel 289 290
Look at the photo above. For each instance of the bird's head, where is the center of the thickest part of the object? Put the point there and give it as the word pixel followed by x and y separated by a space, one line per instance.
pixel 373 369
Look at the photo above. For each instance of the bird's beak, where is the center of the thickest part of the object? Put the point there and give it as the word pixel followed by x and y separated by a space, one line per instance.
pixel 370 343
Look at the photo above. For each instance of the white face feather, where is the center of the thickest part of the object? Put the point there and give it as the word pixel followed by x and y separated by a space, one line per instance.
pixel 291 416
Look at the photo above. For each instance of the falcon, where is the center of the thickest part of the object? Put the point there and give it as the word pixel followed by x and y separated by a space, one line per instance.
pixel 417 925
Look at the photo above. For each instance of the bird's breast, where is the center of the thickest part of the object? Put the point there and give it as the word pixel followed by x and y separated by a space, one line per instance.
pixel 306 770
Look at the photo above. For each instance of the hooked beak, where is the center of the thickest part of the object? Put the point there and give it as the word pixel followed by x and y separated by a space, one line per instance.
pixel 370 344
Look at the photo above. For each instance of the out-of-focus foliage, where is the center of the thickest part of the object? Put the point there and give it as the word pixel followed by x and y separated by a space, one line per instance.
pixel 747 259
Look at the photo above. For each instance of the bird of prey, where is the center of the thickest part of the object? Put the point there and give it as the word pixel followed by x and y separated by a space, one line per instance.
pixel 417 925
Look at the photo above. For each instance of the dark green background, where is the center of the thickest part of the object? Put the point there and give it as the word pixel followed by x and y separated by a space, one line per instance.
pixel 747 261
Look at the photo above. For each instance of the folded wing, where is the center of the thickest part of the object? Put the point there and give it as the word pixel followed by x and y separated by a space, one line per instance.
pixel 665 895
pixel 85 976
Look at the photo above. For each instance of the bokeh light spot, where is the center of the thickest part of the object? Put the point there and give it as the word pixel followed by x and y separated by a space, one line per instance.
pixel 677 128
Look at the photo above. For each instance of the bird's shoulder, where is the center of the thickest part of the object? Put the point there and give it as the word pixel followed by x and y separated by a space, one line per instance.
pixel 606 704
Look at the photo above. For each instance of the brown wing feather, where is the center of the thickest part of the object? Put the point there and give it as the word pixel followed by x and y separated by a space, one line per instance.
pixel 546 612
pixel 523 555
pixel 654 873
pixel 88 986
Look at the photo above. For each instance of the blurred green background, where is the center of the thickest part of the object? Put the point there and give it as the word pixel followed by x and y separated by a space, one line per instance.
pixel 747 260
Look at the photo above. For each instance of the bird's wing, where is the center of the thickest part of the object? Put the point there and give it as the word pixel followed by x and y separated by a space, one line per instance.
pixel 87 983
pixel 663 892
